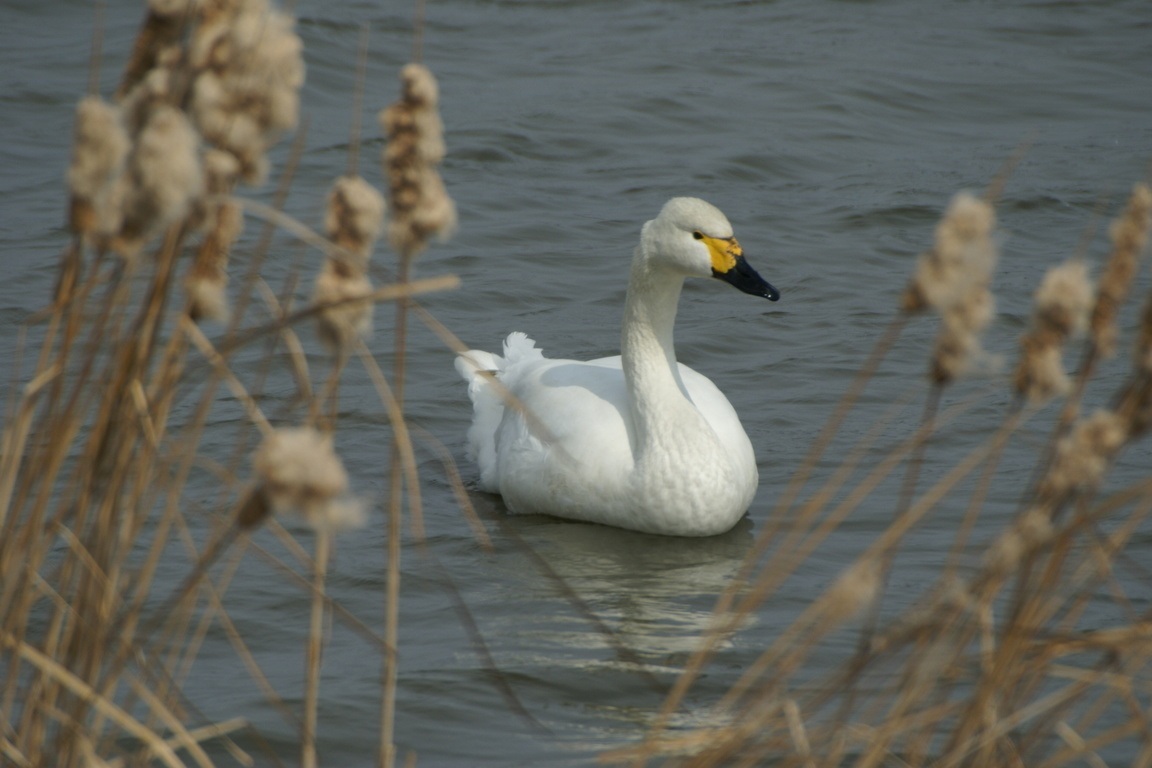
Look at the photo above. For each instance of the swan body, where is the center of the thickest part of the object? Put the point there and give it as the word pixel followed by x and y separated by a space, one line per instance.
pixel 637 441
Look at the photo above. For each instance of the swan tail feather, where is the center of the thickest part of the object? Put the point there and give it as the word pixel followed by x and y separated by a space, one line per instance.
pixel 477 367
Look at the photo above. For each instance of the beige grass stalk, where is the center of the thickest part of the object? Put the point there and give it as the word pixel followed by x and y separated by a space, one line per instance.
pixel 315 651
pixel 952 278
pixel 1008 712
pixel 85 466
pixel 419 208
pixel 807 535
pixel 73 683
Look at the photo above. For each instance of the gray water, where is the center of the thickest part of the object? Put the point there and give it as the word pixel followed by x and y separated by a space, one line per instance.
pixel 832 134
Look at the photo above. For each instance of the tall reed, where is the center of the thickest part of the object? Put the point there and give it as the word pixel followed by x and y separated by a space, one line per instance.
pixel 101 461
pixel 100 448
pixel 996 663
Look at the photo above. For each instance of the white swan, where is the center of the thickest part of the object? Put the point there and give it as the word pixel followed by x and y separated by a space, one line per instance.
pixel 636 441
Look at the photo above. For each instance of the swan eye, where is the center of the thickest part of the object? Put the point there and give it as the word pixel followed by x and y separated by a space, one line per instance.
pixel 698 235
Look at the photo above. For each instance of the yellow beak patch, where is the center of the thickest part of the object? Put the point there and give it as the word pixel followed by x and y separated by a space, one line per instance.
pixel 724 252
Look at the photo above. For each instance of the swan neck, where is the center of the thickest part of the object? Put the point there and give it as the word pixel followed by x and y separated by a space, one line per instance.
pixel 648 355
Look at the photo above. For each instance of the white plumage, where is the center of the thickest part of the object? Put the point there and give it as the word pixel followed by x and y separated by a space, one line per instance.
pixel 637 441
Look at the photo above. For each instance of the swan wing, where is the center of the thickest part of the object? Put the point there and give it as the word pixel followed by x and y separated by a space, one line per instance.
pixel 723 420
pixel 569 446
pixel 546 433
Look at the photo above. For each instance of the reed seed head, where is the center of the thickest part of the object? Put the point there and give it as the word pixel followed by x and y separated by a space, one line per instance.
pixel 419 205
pixel 99 150
pixel 339 325
pixel 158 38
pixel 1060 309
pixel 299 470
pixel 855 589
pixel 354 216
pixel 1083 456
pixel 1064 298
pixel 208 278
pixel 222 221
pixel 1040 375
pixel 964 254
pixel 207 298
pixel 251 68
pixel 958 347
pixel 953 279
pixel 1129 237
pixel 165 177
pixel 1031 530
pixel 221 171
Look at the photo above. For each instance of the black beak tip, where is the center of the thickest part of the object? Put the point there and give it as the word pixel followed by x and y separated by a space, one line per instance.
pixel 745 279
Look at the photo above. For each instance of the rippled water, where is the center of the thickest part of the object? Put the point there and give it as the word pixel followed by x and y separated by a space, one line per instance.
pixel 831 133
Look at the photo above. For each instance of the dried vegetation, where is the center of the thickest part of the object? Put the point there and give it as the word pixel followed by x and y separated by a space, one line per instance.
pixel 994 666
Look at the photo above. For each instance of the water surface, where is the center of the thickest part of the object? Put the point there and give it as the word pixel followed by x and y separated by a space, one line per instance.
pixel 832 134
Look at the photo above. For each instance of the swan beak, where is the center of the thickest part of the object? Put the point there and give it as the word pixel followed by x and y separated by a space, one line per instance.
pixel 729 265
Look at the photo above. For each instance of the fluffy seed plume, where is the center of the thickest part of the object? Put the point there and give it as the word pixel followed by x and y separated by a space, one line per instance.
pixel 159 33
pixel 354 216
pixel 352 220
pixel 958 343
pixel 298 470
pixel 1031 530
pixel 1129 236
pixel 953 279
pixel 1083 456
pixel 1060 309
pixel 95 176
pixel 222 224
pixel 963 256
pixel 854 589
pixel 251 69
pixel 164 176
pixel 341 284
pixel 419 205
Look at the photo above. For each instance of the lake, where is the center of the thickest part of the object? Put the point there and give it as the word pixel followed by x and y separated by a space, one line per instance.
pixel 832 134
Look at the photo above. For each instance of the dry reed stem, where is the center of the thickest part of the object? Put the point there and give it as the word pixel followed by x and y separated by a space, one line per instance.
pixel 802 542
pixel 390 675
pixel 271 695
pixel 476 637
pixel 1001 646
pixel 420 208
pixel 208 350
pixel 130 445
pixel 402 439
pixel 535 425
pixel 463 500
pixel 976 502
pixel 291 341
pixel 700 657
pixel 798 639
pixel 573 598
pixel 133 461
pixel 264 243
pixel 200 735
pixel 315 648
pixel 58 673
pixel 362 630
pixel 215 590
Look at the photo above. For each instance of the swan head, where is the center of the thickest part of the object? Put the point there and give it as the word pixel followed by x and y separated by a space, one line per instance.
pixel 695 238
